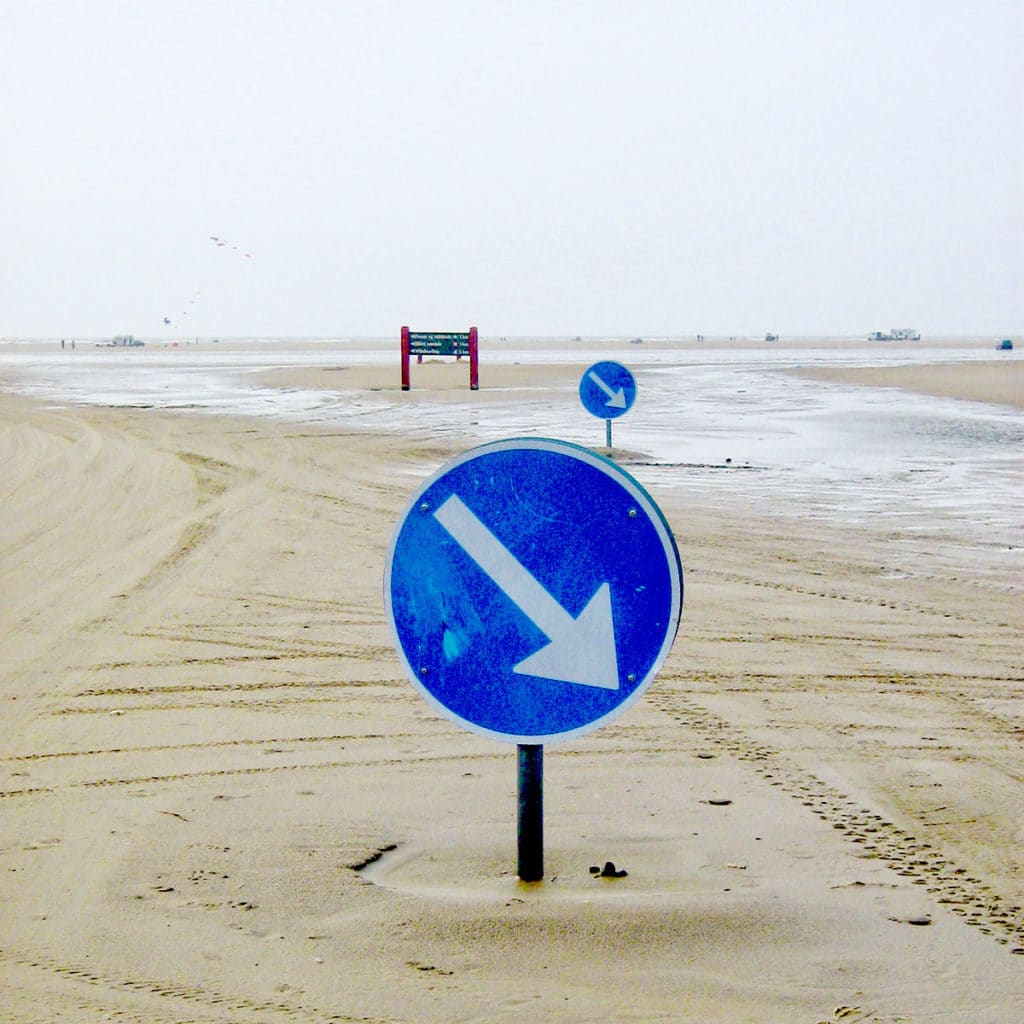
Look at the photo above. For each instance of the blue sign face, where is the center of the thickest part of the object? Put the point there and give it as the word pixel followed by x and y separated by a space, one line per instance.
pixel 533 590
pixel 607 390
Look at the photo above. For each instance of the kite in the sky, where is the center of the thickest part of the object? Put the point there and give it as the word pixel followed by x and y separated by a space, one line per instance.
pixel 223 243
pixel 220 243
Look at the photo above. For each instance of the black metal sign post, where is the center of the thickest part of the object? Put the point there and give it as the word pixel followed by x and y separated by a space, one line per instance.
pixel 531 812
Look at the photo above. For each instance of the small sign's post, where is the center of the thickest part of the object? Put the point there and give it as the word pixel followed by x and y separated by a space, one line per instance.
pixel 531 812
pixel 441 343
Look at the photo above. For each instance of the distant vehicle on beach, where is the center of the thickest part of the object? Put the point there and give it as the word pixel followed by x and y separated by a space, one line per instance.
pixel 896 334
pixel 122 341
pixel 771 337
pixel 1005 345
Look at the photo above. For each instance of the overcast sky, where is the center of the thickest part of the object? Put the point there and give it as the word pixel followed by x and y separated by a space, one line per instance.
pixel 632 168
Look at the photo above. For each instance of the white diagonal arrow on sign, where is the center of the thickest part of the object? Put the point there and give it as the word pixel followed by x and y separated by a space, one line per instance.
pixel 616 399
pixel 581 649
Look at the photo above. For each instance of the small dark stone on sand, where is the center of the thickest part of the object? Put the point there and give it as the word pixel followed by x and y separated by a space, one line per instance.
pixel 610 871
pixel 594 869
pixel 719 802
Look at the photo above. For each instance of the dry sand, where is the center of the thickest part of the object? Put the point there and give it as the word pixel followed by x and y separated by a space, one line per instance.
pixel 205 733
pixel 997 380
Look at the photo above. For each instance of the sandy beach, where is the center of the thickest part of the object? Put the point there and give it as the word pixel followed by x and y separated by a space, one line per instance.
pixel 223 802
pixel 1000 381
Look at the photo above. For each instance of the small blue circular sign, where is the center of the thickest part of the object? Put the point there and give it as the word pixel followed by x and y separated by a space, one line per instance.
pixel 533 590
pixel 607 390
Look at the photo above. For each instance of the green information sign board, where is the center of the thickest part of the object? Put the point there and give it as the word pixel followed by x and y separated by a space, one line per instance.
pixel 422 343
pixel 440 343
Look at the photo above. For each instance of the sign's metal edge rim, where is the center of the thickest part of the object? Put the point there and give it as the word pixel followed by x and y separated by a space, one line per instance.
pixel 662 527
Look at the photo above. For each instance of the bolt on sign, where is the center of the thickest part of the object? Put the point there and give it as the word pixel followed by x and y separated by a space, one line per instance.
pixel 440 343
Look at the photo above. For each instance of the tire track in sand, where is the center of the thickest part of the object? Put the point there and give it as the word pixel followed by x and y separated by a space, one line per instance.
pixel 245 770
pixel 122 994
pixel 841 594
pixel 269 741
pixel 951 885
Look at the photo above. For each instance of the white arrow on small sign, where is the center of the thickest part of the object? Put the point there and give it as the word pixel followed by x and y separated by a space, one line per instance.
pixel 616 396
pixel 581 649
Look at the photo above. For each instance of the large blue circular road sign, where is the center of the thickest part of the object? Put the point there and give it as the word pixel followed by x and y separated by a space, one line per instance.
pixel 607 390
pixel 533 590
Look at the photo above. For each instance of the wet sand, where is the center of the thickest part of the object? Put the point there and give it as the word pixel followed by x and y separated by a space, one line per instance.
pixel 222 801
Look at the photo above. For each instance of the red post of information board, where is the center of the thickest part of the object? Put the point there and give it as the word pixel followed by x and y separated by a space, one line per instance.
pixel 474 366
pixel 405 358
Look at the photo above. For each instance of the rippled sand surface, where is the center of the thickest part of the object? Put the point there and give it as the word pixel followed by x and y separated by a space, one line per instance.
pixel 222 801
